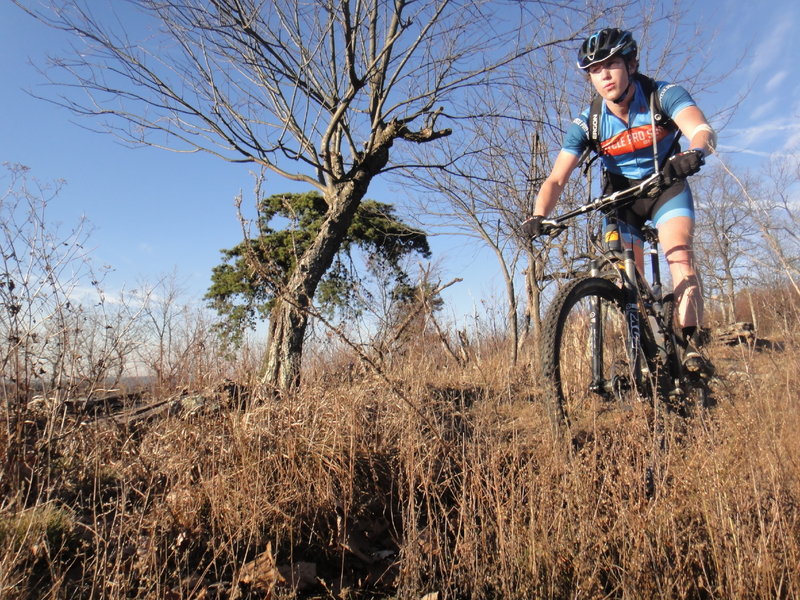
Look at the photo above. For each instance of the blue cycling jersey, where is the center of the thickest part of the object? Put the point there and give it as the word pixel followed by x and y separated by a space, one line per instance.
pixel 627 148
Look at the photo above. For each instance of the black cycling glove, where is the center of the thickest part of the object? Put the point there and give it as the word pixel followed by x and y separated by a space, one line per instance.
pixel 684 164
pixel 532 227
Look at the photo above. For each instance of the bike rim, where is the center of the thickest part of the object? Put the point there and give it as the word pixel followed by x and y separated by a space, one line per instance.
pixel 594 369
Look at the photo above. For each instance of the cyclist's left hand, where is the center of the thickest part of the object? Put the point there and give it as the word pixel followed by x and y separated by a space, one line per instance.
pixel 532 227
pixel 684 164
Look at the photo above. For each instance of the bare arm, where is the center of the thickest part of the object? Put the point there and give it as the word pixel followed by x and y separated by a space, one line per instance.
pixel 552 187
pixel 693 124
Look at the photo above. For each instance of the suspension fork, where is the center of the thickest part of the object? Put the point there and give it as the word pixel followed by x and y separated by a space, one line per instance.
pixel 658 320
pixel 631 309
pixel 597 385
pixel 632 315
pixel 656 272
pixel 664 326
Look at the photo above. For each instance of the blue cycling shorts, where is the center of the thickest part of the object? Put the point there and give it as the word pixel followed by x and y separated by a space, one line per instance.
pixel 674 201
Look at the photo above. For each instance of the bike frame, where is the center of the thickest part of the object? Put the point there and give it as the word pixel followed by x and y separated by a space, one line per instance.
pixel 640 310
pixel 625 265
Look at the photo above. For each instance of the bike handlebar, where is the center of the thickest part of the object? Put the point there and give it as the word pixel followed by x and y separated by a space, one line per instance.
pixel 555 226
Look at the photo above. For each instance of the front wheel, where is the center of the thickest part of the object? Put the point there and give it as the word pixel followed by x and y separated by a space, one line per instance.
pixel 586 359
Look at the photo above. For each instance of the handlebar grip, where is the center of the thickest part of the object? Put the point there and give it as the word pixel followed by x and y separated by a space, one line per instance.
pixel 552 228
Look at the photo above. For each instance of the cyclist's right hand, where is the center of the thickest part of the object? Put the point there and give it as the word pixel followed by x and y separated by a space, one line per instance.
pixel 532 227
pixel 683 165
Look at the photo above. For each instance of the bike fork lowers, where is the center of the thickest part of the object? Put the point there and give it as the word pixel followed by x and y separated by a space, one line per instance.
pixel 600 380
pixel 632 316
pixel 598 385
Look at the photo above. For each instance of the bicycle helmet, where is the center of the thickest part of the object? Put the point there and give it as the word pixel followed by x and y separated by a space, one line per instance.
pixel 604 44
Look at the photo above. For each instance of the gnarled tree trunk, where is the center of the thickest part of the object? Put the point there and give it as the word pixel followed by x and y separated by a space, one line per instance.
pixel 289 318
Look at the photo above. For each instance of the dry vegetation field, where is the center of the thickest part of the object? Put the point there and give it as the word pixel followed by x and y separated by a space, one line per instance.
pixel 433 480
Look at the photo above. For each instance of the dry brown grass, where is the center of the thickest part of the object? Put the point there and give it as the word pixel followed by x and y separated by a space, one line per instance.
pixel 433 477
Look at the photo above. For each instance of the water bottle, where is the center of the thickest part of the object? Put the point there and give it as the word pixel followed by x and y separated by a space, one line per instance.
pixel 611 236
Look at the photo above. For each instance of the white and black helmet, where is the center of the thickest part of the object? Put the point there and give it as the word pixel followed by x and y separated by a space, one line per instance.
pixel 604 44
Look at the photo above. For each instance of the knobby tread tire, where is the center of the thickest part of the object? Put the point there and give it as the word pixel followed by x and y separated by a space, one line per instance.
pixel 552 330
pixel 670 336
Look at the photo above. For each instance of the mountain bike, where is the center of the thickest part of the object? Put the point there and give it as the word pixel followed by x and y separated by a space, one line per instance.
pixel 609 337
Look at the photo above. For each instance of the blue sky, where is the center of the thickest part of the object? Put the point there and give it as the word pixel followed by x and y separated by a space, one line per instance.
pixel 766 124
pixel 154 211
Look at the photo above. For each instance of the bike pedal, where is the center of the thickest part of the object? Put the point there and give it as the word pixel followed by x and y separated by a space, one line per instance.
pixel 676 393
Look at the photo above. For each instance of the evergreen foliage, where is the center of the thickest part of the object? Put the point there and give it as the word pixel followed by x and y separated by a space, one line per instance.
pixel 252 274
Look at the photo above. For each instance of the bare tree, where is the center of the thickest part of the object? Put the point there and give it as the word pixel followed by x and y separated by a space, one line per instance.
pixel 176 336
pixel 772 206
pixel 317 92
pixel 489 191
pixel 725 238
pixel 54 345
pixel 42 271
pixel 778 217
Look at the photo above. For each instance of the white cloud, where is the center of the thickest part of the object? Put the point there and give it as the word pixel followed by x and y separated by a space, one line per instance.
pixel 90 295
pixel 763 131
pixel 793 98
pixel 775 81
pixel 792 143
pixel 768 53
pixel 764 109
pixel 728 149
pixel 778 137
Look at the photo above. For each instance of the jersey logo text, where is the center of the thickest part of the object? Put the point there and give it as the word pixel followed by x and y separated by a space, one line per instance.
pixel 632 140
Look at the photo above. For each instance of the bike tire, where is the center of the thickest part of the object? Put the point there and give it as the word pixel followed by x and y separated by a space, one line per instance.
pixel 671 346
pixel 573 394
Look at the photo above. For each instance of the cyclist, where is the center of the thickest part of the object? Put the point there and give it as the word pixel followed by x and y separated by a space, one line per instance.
pixel 623 137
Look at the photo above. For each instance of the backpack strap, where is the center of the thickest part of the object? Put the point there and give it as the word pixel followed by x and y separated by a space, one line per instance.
pixel 650 89
pixel 595 110
pixel 593 150
pixel 659 119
